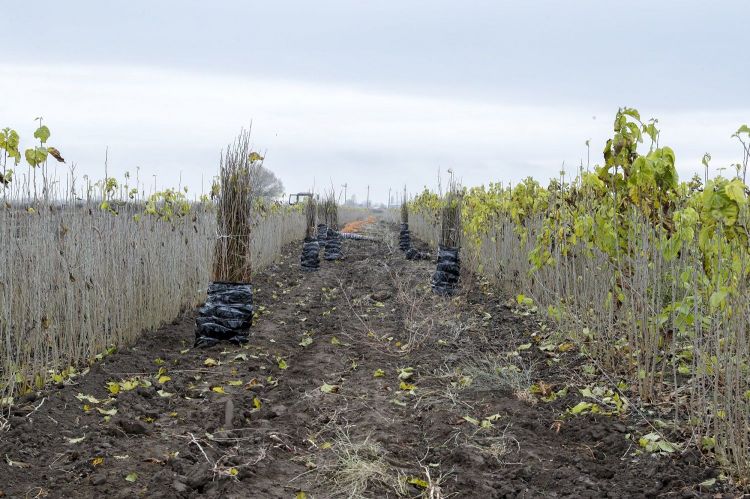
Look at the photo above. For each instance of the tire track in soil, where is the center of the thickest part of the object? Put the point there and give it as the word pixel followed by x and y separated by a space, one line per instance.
pixel 323 443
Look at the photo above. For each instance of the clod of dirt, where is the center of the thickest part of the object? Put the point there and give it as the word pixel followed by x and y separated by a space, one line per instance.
pixel 380 296
pixel 199 475
pixel 278 410
pixel 144 392
pixel 179 487
pixel 148 412
pixel 29 397
pixel 96 480
pixel 132 427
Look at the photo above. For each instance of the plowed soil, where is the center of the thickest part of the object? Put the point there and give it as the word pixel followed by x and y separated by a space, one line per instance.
pixel 357 381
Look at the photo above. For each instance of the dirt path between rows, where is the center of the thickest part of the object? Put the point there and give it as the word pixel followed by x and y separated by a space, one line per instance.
pixel 357 381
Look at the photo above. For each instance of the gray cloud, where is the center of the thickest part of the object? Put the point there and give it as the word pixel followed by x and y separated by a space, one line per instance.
pixel 378 92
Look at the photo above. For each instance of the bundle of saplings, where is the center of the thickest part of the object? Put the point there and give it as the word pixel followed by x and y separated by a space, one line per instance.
pixel 404 236
pixel 448 270
pixel 322 227
pixel 333 239
pixel 228 312
pixel 310 260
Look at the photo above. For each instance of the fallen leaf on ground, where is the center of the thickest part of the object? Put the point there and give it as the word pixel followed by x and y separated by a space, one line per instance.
pixel 326 388
pixel 88 398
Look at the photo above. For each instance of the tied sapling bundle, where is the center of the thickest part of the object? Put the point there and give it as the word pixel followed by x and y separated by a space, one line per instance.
pixel 448 270
pixel 333 243
pixel 228 312
pixel 404 236
pixel 310 260
pixel 322 227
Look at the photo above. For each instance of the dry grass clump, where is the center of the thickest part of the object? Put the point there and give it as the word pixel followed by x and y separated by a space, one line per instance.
pixel 493 371
pixel 497 447
pixel 359 465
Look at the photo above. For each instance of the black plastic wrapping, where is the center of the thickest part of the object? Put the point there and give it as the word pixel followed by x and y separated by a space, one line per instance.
pixel 226 316
pixel 404 238
pixel 322 234
pixel 333 246
pixel 310 259
pixel 414 254
pixel 447 272
pixel 355 236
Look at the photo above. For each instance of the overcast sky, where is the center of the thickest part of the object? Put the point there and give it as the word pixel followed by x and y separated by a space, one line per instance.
pixel 383 93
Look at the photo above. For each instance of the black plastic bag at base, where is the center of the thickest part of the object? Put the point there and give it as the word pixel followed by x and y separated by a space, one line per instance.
pixel 226 316
pixel 414 254
pixel 447 272
pixel 404 238
pixel 333 246
pixel 322 234
pixel 310 259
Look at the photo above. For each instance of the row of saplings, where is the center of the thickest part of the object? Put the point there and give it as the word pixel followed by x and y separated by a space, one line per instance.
pixel 227 314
